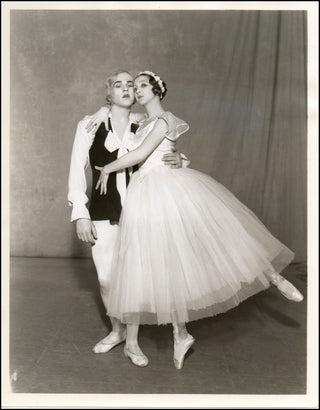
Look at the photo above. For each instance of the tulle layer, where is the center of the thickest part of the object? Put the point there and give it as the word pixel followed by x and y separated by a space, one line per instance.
pixel 187 249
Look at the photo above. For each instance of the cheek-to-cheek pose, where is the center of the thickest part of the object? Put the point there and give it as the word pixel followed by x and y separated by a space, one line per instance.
pixel 99 142
pixel 187 248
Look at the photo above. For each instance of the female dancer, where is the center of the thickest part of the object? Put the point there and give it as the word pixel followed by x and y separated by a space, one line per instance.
pixel 98 224
pixel 187 248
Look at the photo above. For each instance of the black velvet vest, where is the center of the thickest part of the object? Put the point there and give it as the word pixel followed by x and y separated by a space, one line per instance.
pixel 105 207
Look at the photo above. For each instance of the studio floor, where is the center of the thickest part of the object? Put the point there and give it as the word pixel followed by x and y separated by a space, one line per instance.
pixel 56 316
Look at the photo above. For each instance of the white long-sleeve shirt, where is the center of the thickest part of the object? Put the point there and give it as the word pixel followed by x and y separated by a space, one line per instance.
pixel 77 197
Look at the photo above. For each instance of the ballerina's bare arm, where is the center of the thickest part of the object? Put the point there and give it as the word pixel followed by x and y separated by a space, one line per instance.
pixel 134 157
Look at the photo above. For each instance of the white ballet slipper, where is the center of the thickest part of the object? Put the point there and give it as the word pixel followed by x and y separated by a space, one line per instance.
pixel 104 346
pixel 180 350
pixel 286 288
pixel 140 360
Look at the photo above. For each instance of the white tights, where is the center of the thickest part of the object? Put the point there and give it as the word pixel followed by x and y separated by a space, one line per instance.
pixel 102 253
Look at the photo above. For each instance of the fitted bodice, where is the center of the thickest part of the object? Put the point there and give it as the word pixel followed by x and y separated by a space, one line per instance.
pixel 175 128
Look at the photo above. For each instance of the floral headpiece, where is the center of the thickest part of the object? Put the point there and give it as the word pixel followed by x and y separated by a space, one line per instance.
pixel 156 77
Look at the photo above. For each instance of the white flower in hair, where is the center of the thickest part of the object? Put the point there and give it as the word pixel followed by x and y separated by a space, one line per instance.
pixel 156 77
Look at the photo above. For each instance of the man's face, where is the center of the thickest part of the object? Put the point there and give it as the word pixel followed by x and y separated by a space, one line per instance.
pixel 122 90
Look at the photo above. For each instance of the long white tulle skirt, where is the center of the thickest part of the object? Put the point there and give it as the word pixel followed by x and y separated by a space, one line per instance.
pixel 187 249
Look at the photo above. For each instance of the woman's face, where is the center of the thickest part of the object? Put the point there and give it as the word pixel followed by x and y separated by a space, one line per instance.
pixel 121 92
pixel 143 90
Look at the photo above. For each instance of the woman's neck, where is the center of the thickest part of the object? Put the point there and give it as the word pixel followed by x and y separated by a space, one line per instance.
pixel 154 108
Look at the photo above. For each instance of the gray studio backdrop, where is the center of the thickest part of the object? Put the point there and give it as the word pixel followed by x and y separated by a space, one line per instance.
pixel 237 77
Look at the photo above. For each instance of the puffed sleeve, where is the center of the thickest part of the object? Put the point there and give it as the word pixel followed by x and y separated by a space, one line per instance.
pixel 176 126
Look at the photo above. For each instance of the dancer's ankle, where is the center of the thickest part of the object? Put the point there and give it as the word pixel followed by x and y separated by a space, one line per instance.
pixel 180 333
pixel 131 344
pixel 119 330
pixel 133 347
pixel 276 278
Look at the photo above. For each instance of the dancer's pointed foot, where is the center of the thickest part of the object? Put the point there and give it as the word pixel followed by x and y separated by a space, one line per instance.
pixel 109 342
pixel 286 288
pixel 180 350
pixel 138 358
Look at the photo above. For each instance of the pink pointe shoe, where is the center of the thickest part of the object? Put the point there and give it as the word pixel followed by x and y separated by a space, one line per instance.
pixel 286 288
pixel 103 346
pixel 140 360
pixel 180 350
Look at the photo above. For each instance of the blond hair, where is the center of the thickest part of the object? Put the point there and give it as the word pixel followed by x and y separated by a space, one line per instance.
pixel 109 82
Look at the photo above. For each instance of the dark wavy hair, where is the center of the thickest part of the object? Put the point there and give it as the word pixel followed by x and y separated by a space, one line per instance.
pixel 155 86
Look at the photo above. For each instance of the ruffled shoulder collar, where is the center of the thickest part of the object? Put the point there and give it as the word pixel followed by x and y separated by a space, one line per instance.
pixel 176 126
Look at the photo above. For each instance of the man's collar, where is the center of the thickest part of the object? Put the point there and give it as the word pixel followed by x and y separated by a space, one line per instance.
pixel 131 120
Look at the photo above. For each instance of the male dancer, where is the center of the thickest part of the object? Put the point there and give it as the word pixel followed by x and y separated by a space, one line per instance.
pixel 101 145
